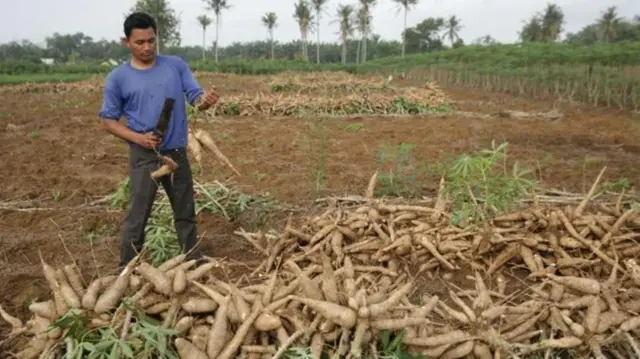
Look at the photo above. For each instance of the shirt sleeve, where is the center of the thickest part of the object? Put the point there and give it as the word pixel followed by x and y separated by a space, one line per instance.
pixel 190 85
pixel 112 99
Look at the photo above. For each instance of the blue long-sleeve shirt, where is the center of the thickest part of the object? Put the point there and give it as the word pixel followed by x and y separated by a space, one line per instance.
pixel 139 96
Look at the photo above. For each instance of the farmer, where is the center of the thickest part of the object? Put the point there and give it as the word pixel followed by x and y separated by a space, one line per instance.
pixel 137 89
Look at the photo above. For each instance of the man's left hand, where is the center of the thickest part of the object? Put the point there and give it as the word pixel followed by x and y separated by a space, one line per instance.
pixel 208 99
pixel 211 97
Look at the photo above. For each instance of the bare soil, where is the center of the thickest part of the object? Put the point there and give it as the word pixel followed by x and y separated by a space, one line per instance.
pixel 56 156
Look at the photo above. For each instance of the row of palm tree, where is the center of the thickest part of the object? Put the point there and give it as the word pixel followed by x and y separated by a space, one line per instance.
pixel 545 26
pixel 308 13
pixel 608 26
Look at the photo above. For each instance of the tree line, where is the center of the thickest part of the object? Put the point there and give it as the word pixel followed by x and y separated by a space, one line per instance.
pixel 358 43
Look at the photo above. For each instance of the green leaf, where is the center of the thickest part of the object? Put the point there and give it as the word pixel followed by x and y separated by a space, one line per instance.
pixel 115 353
pixel 384 338
pixel 103 346
pixel 126 350
pixel 88 346
pixel 396 344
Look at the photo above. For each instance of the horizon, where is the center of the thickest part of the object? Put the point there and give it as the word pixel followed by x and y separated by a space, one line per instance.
pixel 475 16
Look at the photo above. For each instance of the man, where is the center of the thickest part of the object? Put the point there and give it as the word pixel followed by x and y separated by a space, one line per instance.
pixel 137 90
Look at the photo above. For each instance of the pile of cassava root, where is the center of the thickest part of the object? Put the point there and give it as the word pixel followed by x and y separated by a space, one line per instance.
pixel 344 86
pixel 280 104
pixel 333 283
pixel 94 84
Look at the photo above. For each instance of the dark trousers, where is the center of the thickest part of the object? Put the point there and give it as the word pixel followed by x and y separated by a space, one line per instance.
pixel 143 189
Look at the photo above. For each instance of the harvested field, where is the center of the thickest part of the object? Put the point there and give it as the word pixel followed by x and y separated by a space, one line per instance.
pixel 299 141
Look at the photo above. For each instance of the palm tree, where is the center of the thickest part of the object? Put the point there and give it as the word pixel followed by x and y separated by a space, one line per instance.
pixel 304 17
pixel 405 5
pixel 318 6
pixel 532 30
pixel 217 6
pixel 269 20
pixel 204 21
pixel 366 6
pixel 552 20
pixel 362 21
pixel 485 40
pixel 452 29
pixel 345 13
pixel 608 24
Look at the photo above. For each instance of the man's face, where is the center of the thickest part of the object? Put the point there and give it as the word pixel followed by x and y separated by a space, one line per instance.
pixel 142 44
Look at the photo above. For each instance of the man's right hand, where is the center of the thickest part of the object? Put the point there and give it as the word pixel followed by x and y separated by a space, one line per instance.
pixel 148 140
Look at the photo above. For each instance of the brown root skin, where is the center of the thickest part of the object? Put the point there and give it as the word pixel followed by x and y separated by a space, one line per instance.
pixel 172 263
pixel 267 322
pixel 584 285
pixel 169 161
pixel 112 295
pixel 187 349
pixel 194 147
pixel 215 340
pixel 168 167
pixel 45 309
pixel 67 292
pixel 459 350
pixel 74 278
pixel 179 282
pixel 160 282
pixel 207 142
pixel 184 324
pixel 343 316
pixel 93 290
pixel 13 321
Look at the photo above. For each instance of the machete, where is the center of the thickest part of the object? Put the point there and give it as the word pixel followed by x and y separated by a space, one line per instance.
pixel 165 116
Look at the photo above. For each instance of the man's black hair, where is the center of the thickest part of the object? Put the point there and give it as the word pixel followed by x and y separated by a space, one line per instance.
pixel 138 20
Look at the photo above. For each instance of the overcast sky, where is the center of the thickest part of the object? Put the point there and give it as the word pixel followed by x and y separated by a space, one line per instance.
pixel 36 19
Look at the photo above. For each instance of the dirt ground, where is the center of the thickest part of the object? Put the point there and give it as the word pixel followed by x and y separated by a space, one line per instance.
pixel 56 156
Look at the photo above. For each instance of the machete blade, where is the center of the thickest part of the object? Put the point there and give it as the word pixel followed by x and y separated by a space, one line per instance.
pixel 165 116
